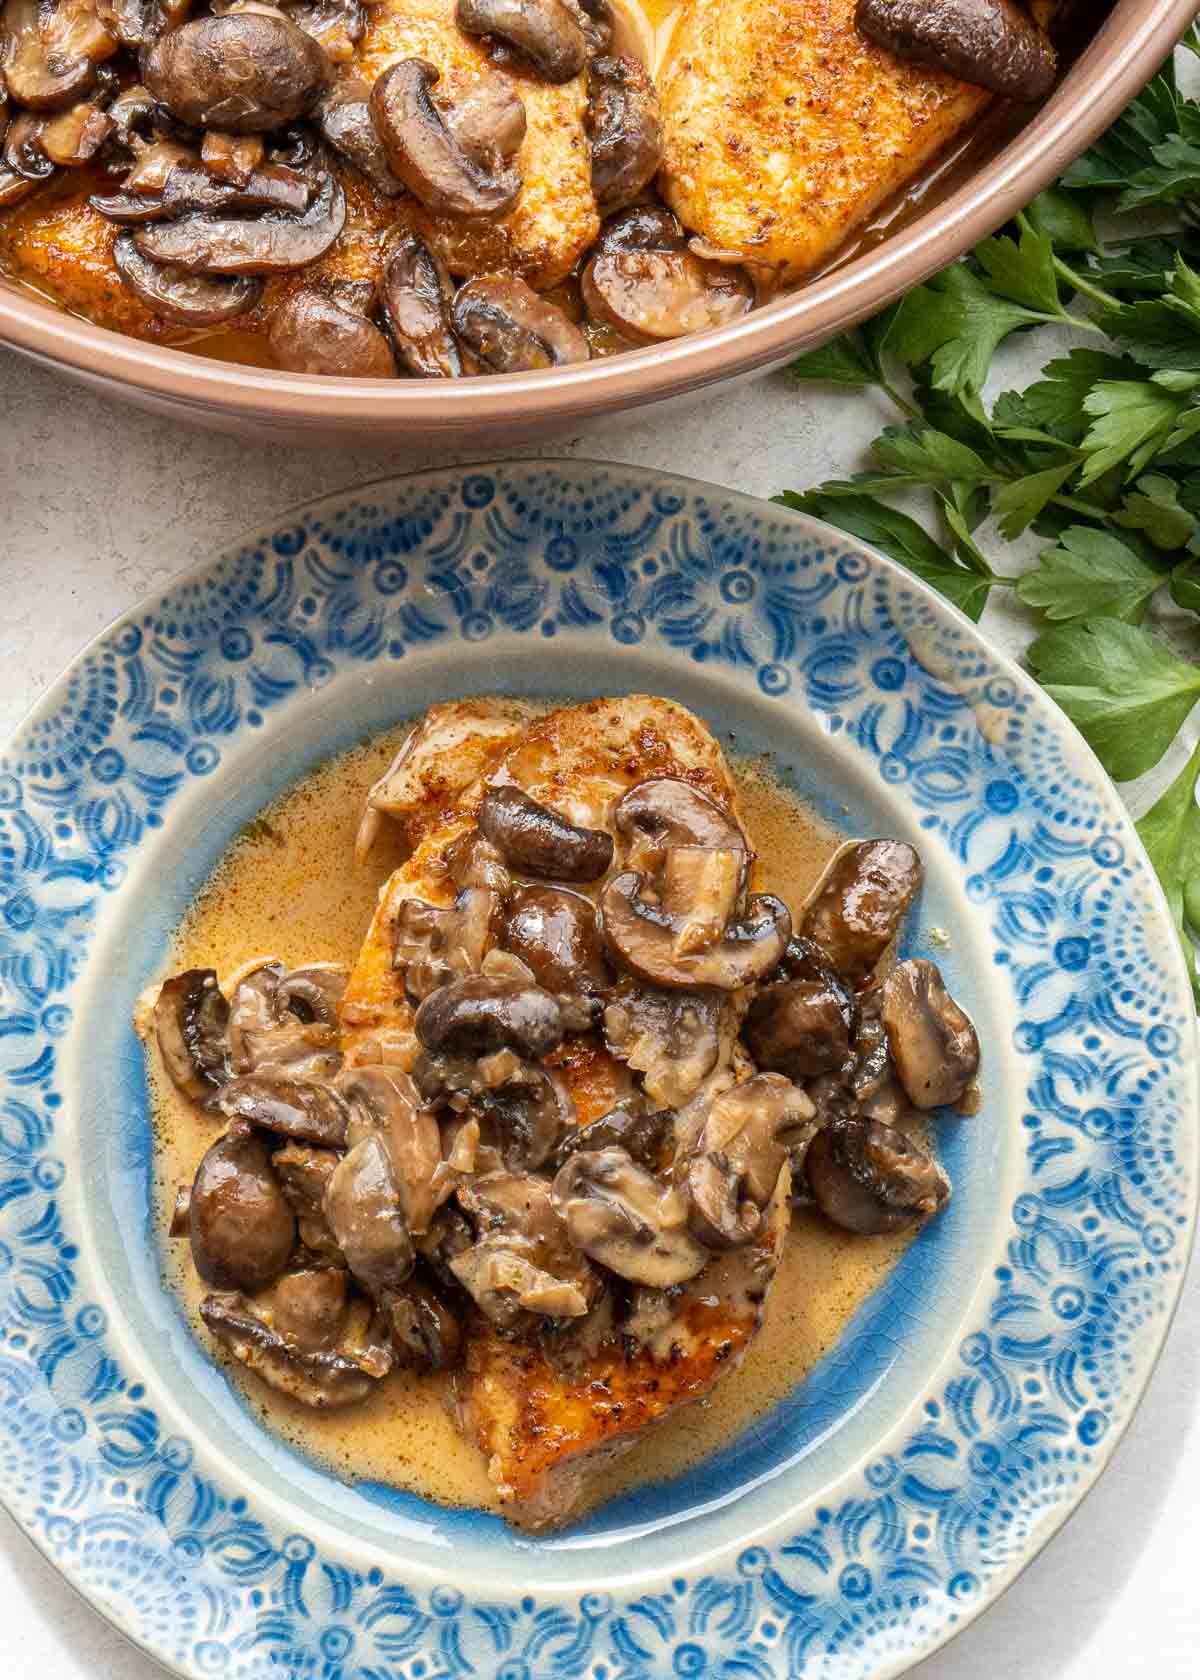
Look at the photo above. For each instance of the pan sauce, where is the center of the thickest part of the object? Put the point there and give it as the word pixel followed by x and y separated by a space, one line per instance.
pixel 270 896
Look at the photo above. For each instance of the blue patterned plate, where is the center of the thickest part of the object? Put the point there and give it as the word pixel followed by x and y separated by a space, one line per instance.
pixel 972 1401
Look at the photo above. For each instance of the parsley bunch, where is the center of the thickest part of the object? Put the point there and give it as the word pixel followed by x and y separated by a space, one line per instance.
pixel 1100 457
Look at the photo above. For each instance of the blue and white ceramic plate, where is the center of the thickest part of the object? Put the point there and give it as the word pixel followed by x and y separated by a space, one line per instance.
pixel 970 1404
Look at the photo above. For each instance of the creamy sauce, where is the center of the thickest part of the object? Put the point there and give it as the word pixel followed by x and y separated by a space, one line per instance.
pixel 288 888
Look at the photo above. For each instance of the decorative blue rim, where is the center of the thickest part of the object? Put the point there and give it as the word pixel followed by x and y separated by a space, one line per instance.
pixel 479 566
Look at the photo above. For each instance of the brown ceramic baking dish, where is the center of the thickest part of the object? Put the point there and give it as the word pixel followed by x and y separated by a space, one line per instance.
pixel 1125 52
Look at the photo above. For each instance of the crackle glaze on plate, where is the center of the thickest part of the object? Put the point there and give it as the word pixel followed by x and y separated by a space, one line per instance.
pixel 972 1401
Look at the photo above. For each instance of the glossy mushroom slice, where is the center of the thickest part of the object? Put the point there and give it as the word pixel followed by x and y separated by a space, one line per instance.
pixel 933 1043
pixel 539 840
pixel 26 164
pixel 662 812
pixel 385 1100
pixel 292 1108
pixel 418 299
pixel 554 931
pixel 624 125
pixel 510 329
pixel 674 1039
pixel 642 936
pixel 426 1333
pixel 643 280
pixel 626 1220
pixel 337 26
pixel 75 136
pixel 320 329
pixel 733 1169
pixel 53 51
pixel 481 1015
pixel 189 300
pixel 344 120
pixel 644 1134
pixel 992 43
pixel 423 151
pixel 868 1177
pixel 191 1019
pixel 858 905
pixel 546 33
pixel 241 1227
pixel 802 1024
pixel 304 1173
pixel 522 1260
pixel 309 1338
pixel 364 1212
pixel 247 72
pixel 436 944
pixel 269 243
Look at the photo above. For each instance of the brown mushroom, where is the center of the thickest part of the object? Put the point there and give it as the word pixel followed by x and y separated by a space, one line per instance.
pixel 317 331
pixel 643 280
pixel 674 1039
pixel 642 937
pixel 25 156
pixel 190 300
pixel 245 73
pixel 190 186
pixel 933 1043
pixel 53 52
pixel 138 23
pixel 435 944
pixel 662 812
pixel 869 1178
pixel 733 1169
pixel 385 1100
pixel 266 244
pixel 191 1018
pixel 480 1015
pixel 539 840
pixel 233 159
pixel 426 1335
pixel 487 118
pixel 344 119
pixel 365 1214
pixel 304 1173
pixel 993 43
pixel 425 154
pixel 858 905
pixel 522 1260
pixel 624 126
pixel 802 1024
pixel 547 33
pixel 308 1338
pixel 417 295
pixel 510 329
pixel 241 1227
pixel 73 137
pixel 641 1132
pixel 336 25
pixel 554 932
pixel 628 1221
pixel 294 1108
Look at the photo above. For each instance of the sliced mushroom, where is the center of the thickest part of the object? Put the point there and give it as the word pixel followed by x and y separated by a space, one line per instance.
pixel 424 153
pixel 253 1010
pixel 626 1220
pixel 426 1335
pixel 241 1227
pixel 365 1214
pixel 139 23
pixel 803 1024
pixel 522 1260
pixel 418 298
pixel 304 1173
pixel 934 1045
pixel 874 1084
pixel 554 931
pixel 992 43
pixel 283 1025
pixel 245 73
pixel 642 937
pixel 674 1039
pixel 191 1019
pixel 53 51
pixel 314 331
pixel 328 1358
pixel 735 1165
pixel 386 1101
pixel 643 280
pixel 487 118
pixel 336 25
pixel 699 888
pixel 624 126
pixel 313 993
pixel 436 944
pixel 190 186
pixel 545 32
pixel 860 902
pixel 233 159
pixel 293 1108
pixel 75 136
pixel 480 1015
pixel 868 1177
pixel 642 1133
pixel 474 862
pixel 344 119
pixel 266 244
pixel 662 812
pixel 190 300
pixel 510 329
pixel 539 840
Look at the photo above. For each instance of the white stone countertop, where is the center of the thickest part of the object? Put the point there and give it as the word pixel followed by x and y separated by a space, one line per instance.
pixel 100 504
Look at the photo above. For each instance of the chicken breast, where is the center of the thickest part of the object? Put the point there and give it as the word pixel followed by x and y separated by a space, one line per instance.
pixel 548 1423
pixel 785 128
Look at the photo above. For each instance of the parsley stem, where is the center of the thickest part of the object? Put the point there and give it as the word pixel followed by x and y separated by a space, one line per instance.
pixel 1082 284
pixel 1077 504
pixel 902 403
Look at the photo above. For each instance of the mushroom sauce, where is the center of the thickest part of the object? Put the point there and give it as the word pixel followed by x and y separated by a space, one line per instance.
pixel 444 188
pixel 269 897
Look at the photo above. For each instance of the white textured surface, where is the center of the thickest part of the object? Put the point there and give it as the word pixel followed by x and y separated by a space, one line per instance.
pixel 100 504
